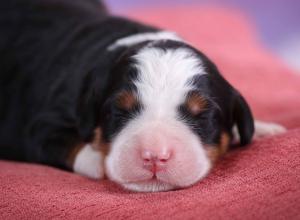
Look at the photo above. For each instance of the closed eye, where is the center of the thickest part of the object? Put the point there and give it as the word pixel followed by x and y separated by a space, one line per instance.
pixel 126 100
pixel 195 103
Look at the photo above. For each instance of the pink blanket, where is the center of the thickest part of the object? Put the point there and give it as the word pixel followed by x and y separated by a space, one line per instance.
pixel 258 182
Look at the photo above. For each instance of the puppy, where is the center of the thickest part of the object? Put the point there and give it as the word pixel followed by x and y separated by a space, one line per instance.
pixel 101 95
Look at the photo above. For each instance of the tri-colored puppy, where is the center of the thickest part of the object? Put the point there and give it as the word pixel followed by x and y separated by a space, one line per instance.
pixel 102 95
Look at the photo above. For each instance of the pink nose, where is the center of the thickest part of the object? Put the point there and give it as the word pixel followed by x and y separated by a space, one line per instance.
pixel 155 160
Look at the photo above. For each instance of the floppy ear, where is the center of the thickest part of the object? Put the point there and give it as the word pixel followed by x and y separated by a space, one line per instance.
pixel 243 118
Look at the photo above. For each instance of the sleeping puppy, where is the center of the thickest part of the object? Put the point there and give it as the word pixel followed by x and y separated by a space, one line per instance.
pixel 105 96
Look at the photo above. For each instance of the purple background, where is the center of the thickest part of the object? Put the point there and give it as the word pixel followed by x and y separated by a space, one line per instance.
pixel 278 21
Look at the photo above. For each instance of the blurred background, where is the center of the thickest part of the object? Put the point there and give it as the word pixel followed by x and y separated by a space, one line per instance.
pixel 277 21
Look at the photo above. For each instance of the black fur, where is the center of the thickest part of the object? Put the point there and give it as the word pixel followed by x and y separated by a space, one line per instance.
pixel 54 71
pixel 58 80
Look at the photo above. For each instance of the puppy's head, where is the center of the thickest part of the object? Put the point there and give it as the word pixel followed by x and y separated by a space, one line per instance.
pixel 168 117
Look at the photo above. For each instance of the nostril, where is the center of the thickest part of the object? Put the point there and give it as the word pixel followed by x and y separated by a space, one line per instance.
pixel 147 155
pixel 147 160
pixel 164 156
pixel 155 159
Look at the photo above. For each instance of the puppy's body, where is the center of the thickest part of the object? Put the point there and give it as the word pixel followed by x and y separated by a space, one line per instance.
pixel 52 54
pixel 80 89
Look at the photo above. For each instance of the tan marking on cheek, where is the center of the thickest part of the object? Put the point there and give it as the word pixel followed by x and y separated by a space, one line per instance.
pixel 215 152
pixel 126 100
pixel 224 143
pixel 195 103
pixel 98 143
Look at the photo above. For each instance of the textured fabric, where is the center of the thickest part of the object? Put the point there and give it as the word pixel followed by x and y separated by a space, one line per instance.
pixel 261 181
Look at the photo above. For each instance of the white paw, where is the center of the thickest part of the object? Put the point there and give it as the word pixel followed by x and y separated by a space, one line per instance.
pixel 89 162
pixel 263 129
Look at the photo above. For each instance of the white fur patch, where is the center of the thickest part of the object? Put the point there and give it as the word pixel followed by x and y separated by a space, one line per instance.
pixel 261 129
pixel 141 37
pixel 164 79
pixel 89 162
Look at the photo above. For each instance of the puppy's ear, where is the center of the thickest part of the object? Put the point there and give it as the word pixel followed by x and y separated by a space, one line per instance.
pixel 243 119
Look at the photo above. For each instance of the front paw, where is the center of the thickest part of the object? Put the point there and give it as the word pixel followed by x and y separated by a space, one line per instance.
pixel 89 162
pixel 264 129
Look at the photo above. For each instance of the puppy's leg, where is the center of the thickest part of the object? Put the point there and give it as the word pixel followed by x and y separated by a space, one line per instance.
pixel 262 129
pixel 89 159
pixel 89 162
pixel 62 147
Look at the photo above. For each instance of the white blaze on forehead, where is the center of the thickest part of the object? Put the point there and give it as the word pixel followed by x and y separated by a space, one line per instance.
pixel 142 37
pixel 164 77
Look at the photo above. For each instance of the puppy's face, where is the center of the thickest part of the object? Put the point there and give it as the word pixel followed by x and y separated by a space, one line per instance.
pixel 169 117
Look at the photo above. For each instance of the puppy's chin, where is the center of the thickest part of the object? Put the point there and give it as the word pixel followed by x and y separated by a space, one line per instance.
pixel 158 183
pixel 152 185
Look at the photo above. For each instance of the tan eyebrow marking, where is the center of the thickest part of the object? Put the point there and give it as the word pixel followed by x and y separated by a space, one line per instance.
pixel 126 100
pixel 195 103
